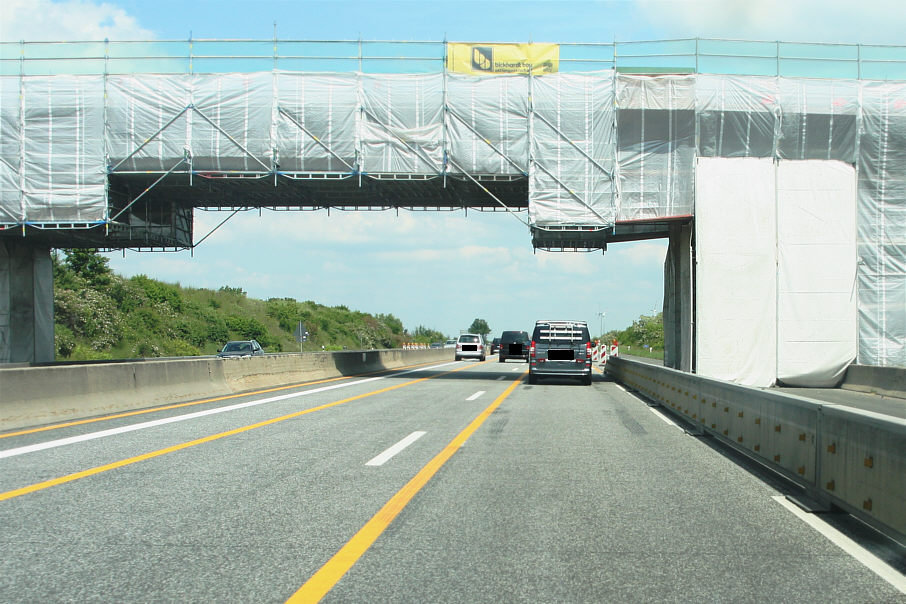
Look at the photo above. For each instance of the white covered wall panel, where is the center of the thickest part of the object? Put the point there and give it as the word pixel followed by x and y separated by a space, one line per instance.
pixel 735 270
pixel 817 308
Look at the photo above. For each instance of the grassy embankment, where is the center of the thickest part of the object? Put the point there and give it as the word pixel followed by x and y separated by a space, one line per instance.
pixel 101 315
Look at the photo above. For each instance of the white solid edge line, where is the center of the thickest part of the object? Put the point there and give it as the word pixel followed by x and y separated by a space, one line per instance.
pixel 386 455
pixel 868 559
pixel 664 418
pixel 476 395
pixel 516 368
pixel 500 377
pixel 179 418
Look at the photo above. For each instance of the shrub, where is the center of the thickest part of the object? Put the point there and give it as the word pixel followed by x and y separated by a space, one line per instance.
pixel 89 314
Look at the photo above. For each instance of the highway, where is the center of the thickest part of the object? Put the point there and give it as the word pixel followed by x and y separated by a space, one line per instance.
pixel 450 482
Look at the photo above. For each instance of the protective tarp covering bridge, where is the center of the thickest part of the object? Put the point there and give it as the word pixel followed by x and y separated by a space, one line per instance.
pixel 122 160
pixel 81 149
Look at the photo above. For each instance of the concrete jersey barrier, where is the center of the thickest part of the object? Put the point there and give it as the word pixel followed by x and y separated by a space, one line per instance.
pixel 32 396
pixel 886 381
pixel 853 459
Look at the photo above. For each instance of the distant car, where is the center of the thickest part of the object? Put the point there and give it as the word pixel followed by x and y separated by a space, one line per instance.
pixel 241 348
pixel 514 345
pixel 560 349
pixel 495 345
pixel 470 345
pixel 450 344
pixel 437 345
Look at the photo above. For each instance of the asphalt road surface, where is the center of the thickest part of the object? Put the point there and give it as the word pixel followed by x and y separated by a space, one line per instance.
pixel 455 482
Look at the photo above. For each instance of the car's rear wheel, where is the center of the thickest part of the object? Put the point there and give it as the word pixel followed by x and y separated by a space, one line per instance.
pixel 532 378
pixel 481 358
pixel 457 357
pixel 587 380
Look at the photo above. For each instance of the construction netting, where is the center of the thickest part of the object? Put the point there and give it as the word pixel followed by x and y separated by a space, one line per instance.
pixel 596 148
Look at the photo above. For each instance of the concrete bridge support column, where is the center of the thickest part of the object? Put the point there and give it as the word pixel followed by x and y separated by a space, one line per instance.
pixel 26 303
pixel 678 302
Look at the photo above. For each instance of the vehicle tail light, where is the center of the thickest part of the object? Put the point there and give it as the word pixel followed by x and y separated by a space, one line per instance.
pixel 531 349
pixel 588 353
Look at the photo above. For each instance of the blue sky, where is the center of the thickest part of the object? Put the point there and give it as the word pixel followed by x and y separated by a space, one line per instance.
pixel 440 270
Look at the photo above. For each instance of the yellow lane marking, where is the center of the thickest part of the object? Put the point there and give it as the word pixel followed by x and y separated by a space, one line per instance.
pixel 333 570
pixel 131 460
pixel 189 404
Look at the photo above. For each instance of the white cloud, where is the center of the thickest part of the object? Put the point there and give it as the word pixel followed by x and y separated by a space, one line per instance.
pixel 72 20
pixel 838 21
pixel 640 253
pixel 570 263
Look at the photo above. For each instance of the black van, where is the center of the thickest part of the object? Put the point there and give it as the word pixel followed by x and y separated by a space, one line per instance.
pixel 514 345
pixel 560 348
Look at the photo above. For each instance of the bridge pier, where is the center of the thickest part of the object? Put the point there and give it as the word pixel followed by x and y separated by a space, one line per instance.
pixel 678 308
pixel 26 303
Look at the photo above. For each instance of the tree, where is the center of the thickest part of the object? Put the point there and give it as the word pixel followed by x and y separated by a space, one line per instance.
pixel 426 335
pixel 480 326
pixel 90 265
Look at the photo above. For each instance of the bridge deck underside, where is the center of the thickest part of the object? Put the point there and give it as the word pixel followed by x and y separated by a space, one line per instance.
pixel 314 191
pixel 299 192
pixel 158 213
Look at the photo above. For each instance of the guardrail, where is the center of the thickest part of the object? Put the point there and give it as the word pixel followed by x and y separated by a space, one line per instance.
pixel 31 396
pixel 855 460
pixel 677 56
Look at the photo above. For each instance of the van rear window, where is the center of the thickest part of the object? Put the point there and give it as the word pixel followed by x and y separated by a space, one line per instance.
pixel 560 332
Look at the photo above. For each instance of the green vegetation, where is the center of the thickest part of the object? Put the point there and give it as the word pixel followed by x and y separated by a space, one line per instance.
pixel 101 315
pixel 647 331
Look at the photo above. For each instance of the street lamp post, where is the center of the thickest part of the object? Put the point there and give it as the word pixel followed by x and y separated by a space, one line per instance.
pixel 602 314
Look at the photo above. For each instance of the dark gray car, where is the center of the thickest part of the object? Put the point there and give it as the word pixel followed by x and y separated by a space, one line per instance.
pixel 241 348
pixel 560 349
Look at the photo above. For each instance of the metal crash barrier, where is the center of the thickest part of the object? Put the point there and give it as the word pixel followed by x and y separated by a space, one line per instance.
pixel 852 459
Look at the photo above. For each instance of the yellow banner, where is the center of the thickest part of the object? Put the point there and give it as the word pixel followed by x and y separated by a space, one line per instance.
pixel 481 59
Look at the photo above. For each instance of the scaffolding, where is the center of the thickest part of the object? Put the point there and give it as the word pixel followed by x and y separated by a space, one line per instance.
pixel 106 148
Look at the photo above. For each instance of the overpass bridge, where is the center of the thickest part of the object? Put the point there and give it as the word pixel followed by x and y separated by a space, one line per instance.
pixel 776 170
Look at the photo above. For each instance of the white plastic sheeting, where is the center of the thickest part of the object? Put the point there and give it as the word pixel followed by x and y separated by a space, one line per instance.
pixel 776 271
pixel 401 130
pixel 315 122
pixel 487 124
pixel 881 223
pixel 52 150
pixel 572 148
pixel 596 148
pixel 656 149
pixel 220 122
